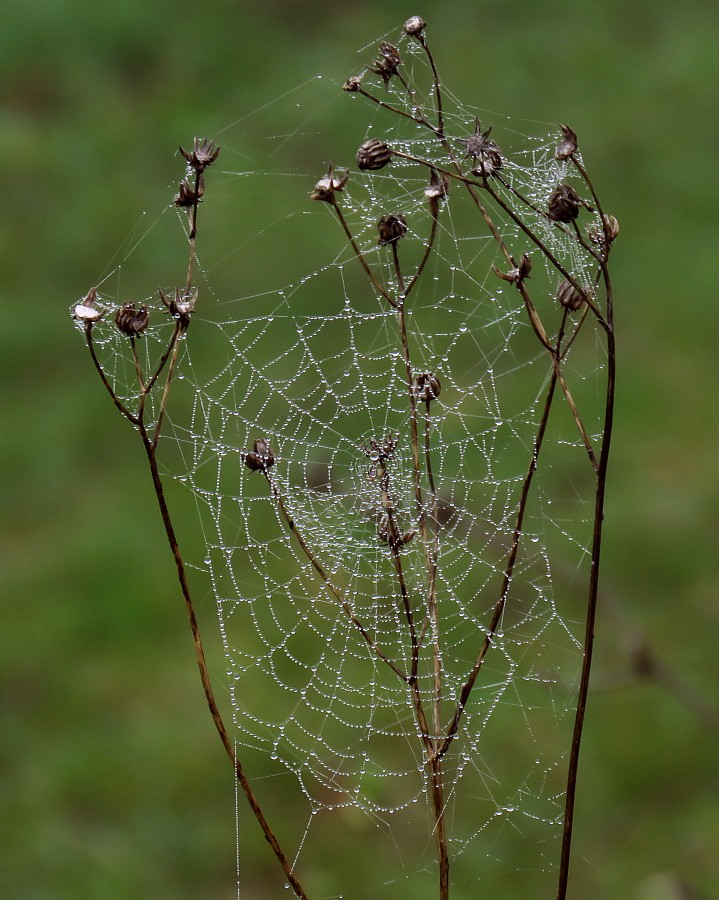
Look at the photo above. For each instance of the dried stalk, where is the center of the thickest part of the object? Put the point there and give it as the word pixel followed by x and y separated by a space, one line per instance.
pixel 133 323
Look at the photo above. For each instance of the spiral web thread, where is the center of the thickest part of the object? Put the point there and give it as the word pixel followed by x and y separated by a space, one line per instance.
pixel 319 373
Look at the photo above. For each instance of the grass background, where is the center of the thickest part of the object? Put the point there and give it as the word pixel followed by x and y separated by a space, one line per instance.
pixel 112 783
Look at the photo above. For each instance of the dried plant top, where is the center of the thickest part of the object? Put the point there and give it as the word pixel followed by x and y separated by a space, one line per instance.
pixel 400 463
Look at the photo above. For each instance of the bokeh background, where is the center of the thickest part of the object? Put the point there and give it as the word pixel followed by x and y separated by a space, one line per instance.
pixel 112 781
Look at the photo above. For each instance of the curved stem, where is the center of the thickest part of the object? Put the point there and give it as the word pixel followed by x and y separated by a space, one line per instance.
pixel 204 673
pixel 591 602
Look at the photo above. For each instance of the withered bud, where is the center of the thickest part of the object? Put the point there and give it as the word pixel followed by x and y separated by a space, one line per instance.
pixel 387 62
pixel 131 321
pixel 86 311
pixel 352 85
pixel 391 228
pixel 261 457
pixel 568 145
pixel 181 306
pixel 564 203
pixel 426 387
pixel 484 151
pixel 606 233
pixel 569 297
pixel 373 155
pixel 518 273
pixel 379 454
pixel 435 191
pixel 187 195
pixel 326 187
pixel 387 531
pixel 202 154
pixel 414 25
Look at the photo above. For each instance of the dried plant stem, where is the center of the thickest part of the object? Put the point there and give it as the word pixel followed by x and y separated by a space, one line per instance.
pixel 334 590
pixel 508 570
pixel 591 598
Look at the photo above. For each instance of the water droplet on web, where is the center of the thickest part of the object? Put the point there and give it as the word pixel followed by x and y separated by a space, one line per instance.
pixel 463 327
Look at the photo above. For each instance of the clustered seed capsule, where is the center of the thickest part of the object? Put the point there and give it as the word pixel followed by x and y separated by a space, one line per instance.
pixel 187 196
pixel 86 311
pixel 568 145
pixel 387 62
pixel 568 295
pixel 563 204
pixel 202 155
pixel 391 228
pixel 414 26
pixel 426 387
pixel 373 155
pixel 181 306
pixel 484 152
pixel 327 187
pixel 261 457
pixel 131 321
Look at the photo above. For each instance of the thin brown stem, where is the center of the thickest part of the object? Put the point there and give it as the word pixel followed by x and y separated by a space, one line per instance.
pixel 202 666
pixel 334 590
pixel 508 570
pixel 360 256
pixel 591 601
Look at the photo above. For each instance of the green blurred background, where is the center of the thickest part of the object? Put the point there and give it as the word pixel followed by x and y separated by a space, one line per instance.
pixel 113 784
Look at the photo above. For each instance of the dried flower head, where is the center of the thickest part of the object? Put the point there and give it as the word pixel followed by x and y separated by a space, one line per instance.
pixel 86 311
pixel 187 196
pixel 391 228
pixel 387 62
pixel 435 191
pixel 379 454
pixel 564 203
pixel 518 273
pixel 373 155
pixel 388 532
pixel 414 26
pixel 605 234
pixel 568 145
pixel 326 187
pixel 181 306
pixel 131 321
pixel 352 85
pixel 484 152
pixel 426 387
pixel 202 154
pixel 261 457
pixel 569 297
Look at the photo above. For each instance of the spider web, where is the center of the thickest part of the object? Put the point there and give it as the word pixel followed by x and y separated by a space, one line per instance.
pixel 307 591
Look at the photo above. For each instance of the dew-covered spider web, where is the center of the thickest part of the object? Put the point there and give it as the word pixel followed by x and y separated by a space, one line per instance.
pixel 357 568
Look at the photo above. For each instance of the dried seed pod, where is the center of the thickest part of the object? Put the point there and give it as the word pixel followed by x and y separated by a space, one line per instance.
pixel 435 191
pixel 181 306
pixel 261 457
pixel 131 321
pixel 352 85
pixel 519 273
pixel 568 295
pixel 187 195
pixel 86 311
pixel 387 62
pixel 327 187
pixel 379 454
pixel 426 387
pixel 563 204
pixel 568 145
pixel 391 228
pixel 607 233
pixel 372 155
pixel 414 26
pixel 484 151
pixel 202 154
